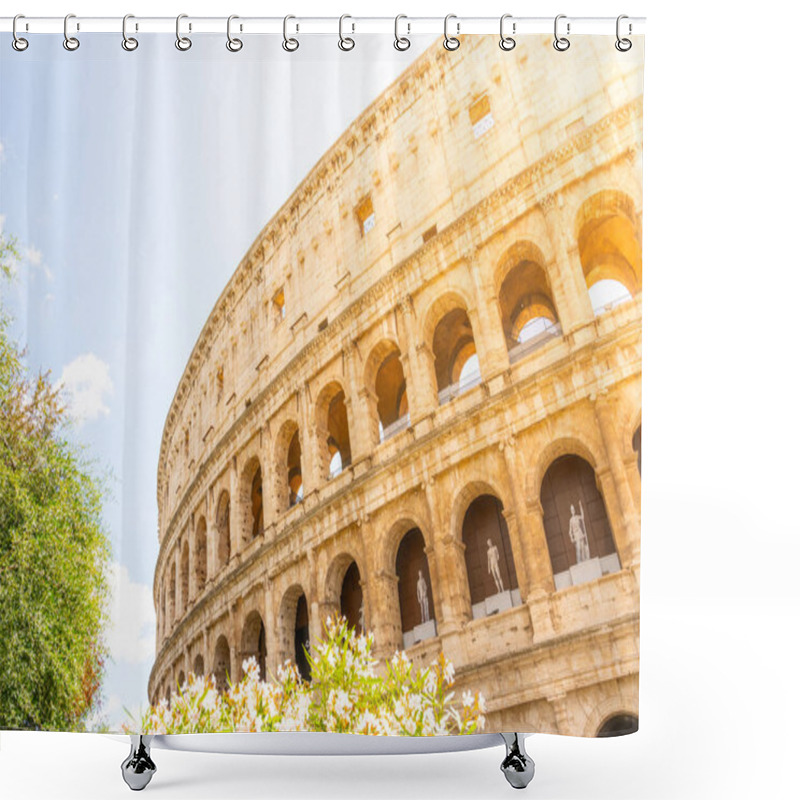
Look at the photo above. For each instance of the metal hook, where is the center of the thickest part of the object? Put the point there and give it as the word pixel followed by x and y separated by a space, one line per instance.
pixel 401 42
pixel 623 45
pixel 128 42
pixel 18 43
pixel 561 43
pixel 289 44
pixel 450 42
pixel 507 42
pixel 70 42
pixel 345 42
pixel 183 43
pixel 233 44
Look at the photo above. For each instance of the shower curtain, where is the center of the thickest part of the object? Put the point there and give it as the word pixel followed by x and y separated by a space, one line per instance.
pixel 321 385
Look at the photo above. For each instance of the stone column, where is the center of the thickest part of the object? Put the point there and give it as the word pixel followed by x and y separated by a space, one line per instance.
pixel 236 521
pixel 309 456
pixel 420 381
pixel 270 627
pixel 267 489
pixel 448 553
pixel 567 280
pixel 385 614
pixel 490 341
pixel 629 544
pixel 356 400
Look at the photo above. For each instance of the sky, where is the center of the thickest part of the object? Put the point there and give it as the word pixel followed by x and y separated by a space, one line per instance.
pixel 134 183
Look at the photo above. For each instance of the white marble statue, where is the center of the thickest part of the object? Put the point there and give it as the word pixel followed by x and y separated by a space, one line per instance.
pixel 422 598
pixel 577 534
pixel 361 622
pixel 493 556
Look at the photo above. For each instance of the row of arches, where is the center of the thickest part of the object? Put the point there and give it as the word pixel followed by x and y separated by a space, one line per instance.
pixel 609 251
pixel 580 543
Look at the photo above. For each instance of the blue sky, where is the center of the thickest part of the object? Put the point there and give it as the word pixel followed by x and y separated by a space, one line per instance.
pixel 134 183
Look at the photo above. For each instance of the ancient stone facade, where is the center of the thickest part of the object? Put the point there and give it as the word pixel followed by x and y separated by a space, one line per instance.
pixel 412 360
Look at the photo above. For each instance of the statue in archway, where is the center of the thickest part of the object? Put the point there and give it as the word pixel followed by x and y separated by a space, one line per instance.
pixel 493 556
pixel 422 597
pixel 361 621
pixel 577 534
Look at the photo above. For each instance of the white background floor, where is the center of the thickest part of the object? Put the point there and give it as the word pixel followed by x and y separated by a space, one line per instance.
pixel 720 704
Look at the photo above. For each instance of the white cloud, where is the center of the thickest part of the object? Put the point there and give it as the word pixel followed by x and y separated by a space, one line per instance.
pixel 131 633
pixel 87 383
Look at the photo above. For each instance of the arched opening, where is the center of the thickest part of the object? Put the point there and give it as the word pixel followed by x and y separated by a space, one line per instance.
pixel 199 667
pixel 610 249
pixel 184 577
pixel 294 470
pixel 417 614
pixel 172 593
pixel 527 309
pixel 181 680
pixel 302 639
pixel 200 556
pixel 390 393
pixel 351 600
pixel 637 447
pixel 257 505
pixel 576 524
pixel 618 725
pixel 223 530
pixel 251 497
pixel 491 573
pixel 334 430
pixel 254 642
pixel 222 664
pixel 455 360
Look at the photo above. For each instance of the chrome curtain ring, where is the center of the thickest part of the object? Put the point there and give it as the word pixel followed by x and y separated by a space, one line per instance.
pixel 18 43
pixel 507 42
pixel 401 42
pixel 561 43
pixel 345 42
pixel 183 43
pixel 233 44
pixel 289 44
pixel 623 45
pixel 128 42
pixel 70 42
pixel 450 42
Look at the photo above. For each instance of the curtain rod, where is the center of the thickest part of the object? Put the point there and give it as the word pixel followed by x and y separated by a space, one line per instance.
pixel 300 25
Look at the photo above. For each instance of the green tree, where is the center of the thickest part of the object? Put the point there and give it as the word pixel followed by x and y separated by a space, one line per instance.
pixel 54 551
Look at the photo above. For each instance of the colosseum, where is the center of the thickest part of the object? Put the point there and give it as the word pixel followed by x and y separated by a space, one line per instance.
pixel 423 383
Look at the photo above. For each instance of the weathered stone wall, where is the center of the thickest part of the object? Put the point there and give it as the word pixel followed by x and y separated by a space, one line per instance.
pixel 560 160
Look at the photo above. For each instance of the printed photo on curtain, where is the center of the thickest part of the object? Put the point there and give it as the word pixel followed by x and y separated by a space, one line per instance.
pixel 320 375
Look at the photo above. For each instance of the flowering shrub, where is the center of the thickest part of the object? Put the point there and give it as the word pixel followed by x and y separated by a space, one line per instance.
pixel 345 695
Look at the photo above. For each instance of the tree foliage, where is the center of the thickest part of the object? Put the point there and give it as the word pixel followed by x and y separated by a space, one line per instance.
pixel 53 552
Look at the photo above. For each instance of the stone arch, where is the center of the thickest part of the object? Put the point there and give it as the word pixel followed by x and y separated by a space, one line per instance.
pixel 199 667
pixel 610 247
pixel 173 579
pixel 222 663
pixel 288 466
pixel 254 642
pixel 449 335
pixel 295 628
pixel 181 680
pixel 573 506
pixel 251 499
pixel 333 429
pixel 385 380
pixel 489 559
pixel 223 530
pixel 562 446
pixel 527 306
pixel 414 587
pixel 184 575
pixel 200 555
pixel 621 702
pixel 343 589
